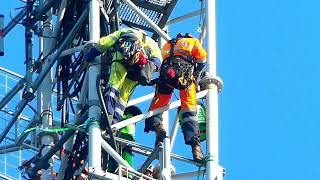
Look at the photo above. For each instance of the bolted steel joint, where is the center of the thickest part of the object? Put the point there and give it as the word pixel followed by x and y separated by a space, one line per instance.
pixel 208 80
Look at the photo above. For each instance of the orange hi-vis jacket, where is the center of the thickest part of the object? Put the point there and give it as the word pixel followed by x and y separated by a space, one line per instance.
pixel 185 47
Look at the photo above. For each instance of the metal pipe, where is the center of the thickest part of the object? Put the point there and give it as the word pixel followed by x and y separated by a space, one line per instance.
pixel 8 148
pixel 140 99
pixel 173 156
pixel 140 117
pixel 212 98
pixel 135 173
pixel 61 12
pixel 166 171
pixel 188 174
pixel 114 154
pixel 147 19
pixel 72 50
pixel 12 93
pixel 21 105
pixel 149 160
pixel 11 72
pixel 23 136
pixel 15 20
pixel 116 17
pixel 28 93
pixel 1 35
pixel 95 139
pixel 186 16
pixel 37 14
pixel 5 177
pixel 44 93
pixel 174 130
pixel 106 176
pixel 203 30
pixel 146 151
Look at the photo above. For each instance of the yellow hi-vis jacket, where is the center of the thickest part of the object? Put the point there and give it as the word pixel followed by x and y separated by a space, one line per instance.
pixel 147 43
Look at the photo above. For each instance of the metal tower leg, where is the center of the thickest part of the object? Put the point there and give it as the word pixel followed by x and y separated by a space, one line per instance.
pixel 12 93
pixel 28 94
pixel 213 168
pixel 44 93
pixel 1 35
pixel 94 153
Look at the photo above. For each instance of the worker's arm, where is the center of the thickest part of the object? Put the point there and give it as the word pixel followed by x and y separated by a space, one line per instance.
pixel 198 53
pixel 108 41
pixel 155 52
pixel 104 44
pixel 153 64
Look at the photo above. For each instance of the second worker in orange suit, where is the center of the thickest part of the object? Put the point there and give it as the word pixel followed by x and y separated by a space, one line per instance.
pixel 183 60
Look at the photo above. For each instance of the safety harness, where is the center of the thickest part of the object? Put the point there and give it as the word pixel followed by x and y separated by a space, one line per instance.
pixel 130 47
pixel 176 70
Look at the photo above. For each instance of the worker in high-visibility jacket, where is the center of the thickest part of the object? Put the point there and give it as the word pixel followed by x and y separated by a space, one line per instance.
pixel 183 61
pixel 135 58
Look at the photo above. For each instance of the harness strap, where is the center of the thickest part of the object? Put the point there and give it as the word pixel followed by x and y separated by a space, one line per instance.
pixel 172 43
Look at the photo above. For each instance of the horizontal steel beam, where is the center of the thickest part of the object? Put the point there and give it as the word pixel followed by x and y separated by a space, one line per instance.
pixel 186 16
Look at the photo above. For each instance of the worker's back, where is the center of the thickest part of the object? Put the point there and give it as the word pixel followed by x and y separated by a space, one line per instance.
pixel 185 47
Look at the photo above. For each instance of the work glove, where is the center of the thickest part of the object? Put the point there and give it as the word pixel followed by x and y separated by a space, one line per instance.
pixel 146 73
pixel 91 54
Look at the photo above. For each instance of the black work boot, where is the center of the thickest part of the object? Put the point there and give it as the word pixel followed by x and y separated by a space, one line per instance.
pixel 161 134
pixel 197 152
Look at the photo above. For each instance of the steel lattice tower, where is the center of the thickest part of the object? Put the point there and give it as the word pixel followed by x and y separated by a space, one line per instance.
pixel 58 81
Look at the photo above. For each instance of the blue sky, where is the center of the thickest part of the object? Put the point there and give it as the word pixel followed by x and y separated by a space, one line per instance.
pixel 267 56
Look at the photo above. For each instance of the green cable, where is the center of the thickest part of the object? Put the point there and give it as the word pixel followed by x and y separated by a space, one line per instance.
pixel 53 130
pixel 58 130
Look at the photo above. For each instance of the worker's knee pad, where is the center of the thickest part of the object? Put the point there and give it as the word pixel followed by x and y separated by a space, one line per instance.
pixel 152 122
pixel 190 130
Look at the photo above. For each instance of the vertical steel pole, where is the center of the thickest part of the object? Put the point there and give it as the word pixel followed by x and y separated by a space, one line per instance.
pixel 174 130
pixel 94 111
pixel 166 145
pixel 203 30
pixel 44 93
pixel 212 97
pixel 29 94
pixel 1 35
